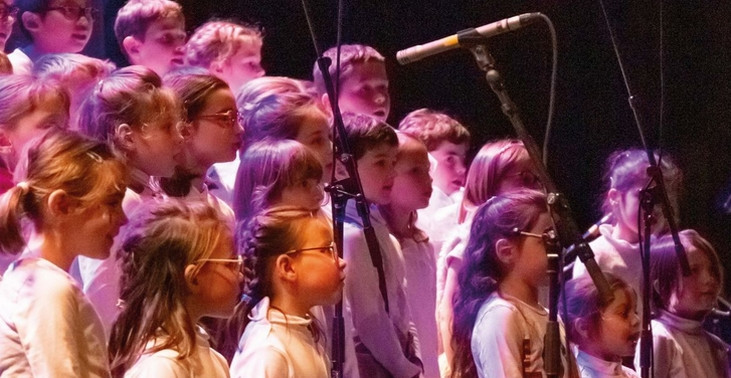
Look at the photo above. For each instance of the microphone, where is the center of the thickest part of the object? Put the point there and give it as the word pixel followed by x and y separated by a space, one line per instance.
pixel 418 52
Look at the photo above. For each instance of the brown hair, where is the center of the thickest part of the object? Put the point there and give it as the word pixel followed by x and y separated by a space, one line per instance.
pixel 350 55
pixel 219 40
pixel 136 16
pixel 364 133
pixel 433 128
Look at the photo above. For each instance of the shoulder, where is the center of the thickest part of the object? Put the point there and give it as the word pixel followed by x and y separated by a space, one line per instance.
pixel 498 313
pixel 41 280
pixel 260 361
pixel 163 363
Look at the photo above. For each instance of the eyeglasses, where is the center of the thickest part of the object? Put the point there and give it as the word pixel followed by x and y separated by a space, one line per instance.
pixel 330 249
pixel 233 264
pixel 73 13
pixel 229 118
pixel 527 179
pixel 7 11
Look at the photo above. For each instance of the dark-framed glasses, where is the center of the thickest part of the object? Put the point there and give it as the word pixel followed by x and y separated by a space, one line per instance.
pixel 7 11
pixel 74 13
pixel 328 249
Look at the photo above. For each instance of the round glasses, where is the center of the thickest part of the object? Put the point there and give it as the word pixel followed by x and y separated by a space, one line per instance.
pixel 74 13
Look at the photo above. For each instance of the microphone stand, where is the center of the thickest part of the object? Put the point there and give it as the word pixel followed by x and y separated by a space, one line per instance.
pixel 647 204
pixel 568 232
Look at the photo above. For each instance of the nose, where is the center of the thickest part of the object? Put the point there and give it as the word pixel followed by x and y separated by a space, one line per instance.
pixel 341 264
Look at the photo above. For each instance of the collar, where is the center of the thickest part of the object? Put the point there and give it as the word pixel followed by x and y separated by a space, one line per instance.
pixel 682 324
pixel 263 312
pixel 605 368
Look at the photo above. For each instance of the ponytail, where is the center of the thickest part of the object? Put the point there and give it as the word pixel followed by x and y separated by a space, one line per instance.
pixel 12 210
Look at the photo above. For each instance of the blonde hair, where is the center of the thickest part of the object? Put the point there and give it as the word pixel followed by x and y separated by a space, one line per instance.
pixel 136 16
pixel 433 128
pixel 62 67
pixel 6 67
pixel 162 239
pixel 85 169
pixel 21 94
pixel 132 95
pixel 219 40
pixel 350 55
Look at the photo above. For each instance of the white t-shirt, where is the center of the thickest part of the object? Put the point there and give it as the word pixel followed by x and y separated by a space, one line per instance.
pixel 224 176
pixel 503 326
pixel 440 216
pixel 275 345
pixel 22 65
pixel 204 362
pixel 47 326
pixel 683 349
pixel 594 367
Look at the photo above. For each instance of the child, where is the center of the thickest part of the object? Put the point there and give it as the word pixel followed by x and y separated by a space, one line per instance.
pixel 213 133
pixel 681 348
pixel 411 191
pixel 385 342
pixel 447 141
pixel 500 167
pixel 280 172
pixel 499 326
pixel 53 28
pixel 617 249
pixel 603 332
pixel 229 50
pixel 151 33
pixel 278 108
pixel 291 266
pixel 8 14
pixel 141 121
pixel 76 73
pixel 72 194
pixel 179 264
pixel 363 81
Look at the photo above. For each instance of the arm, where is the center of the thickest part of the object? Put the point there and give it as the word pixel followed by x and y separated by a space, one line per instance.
pixel 370 320
pixel 445 309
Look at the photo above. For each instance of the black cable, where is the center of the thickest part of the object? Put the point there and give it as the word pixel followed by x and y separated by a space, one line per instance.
pixel 552 94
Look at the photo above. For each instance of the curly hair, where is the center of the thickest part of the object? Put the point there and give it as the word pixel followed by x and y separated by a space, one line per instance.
pixel 433 128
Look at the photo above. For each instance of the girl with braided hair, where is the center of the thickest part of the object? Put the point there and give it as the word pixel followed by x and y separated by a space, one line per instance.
pixel 178 265
pixel 291 266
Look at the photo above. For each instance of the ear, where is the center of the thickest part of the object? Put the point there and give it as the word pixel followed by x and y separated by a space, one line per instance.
pixel 131 47
pixel 60 203
pixel 582 328
pixel 614 196
pixel 216 66
pixel 324 105
pixel 505 251
pixel 191 281
pixel 31 21
pixel 124 135
pixel 284 268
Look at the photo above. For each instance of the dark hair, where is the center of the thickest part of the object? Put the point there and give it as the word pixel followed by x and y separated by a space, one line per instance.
pixel 482 271
pixel 193 86
pixel 34 6
pixel 583 302
pixel 267 235
pixel 665 273
pixel 160 242
pixel 365 133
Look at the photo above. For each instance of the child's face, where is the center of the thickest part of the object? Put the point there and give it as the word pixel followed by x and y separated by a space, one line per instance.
pixel 697 294
pixel 449 173
pixel 377 173
pixel 321 272
pixel 521 175
pixel 219 280
pixel 163 45
pixel 308 194
pixel 216 135
pixel 243 66
pixel 158 147
pixel 532 260
pixel 65 28
pixel 47 114
pixel 619 327
pixel 95 227
pixel 6 21
pixel 412 185
pixel 314 132
pixel 365 90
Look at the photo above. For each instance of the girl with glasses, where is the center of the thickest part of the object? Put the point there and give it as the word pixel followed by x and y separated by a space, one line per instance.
pixel 178 265
pixel 290 267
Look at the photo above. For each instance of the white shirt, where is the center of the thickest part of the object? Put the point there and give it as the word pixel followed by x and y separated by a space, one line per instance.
pixel 421 292
pixel 204 362
pixel 435 220
pixel 502 326
pixel 224 176
pixel 380 332
pixel 594 367
pixel 22 65
pixel 275 345
pixel 47 326
pixel 683 349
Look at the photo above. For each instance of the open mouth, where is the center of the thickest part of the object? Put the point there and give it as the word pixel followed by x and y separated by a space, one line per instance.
pixel 177 61
pixel 380 113
pixel 79 37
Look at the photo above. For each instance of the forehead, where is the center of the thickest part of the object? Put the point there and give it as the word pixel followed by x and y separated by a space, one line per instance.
pixel 412 151
pixel 370 70
pixel 313 121
pixel 315 232
pixel 450 148
pixel 163 24
pixel 381 150
pixel 622 298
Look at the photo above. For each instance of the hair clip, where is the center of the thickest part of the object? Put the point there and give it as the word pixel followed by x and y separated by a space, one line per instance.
pixel 246 298
pixel 23 185
pixel 121 303
pixel 94 156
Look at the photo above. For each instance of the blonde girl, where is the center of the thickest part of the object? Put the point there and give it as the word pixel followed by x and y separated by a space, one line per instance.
pixel 71 197
pixel 179 265
pixel 291 266
pixel 604 333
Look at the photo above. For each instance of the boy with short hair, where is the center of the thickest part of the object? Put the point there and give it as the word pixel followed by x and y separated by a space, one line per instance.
pixel 151 33
pixel 53 27
pixel 363 81
pixel 385 342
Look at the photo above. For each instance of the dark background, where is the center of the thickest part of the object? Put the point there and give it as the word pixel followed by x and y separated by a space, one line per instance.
pixel 592 116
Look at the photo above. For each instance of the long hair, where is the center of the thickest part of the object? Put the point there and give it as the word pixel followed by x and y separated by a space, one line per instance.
pixel 266 169
pixel 267 235
pixel 161 241
pixel 85 169
pixel 488 170
pixel 482 271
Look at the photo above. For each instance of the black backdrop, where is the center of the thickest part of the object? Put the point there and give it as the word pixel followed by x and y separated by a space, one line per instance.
pixel 592 114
